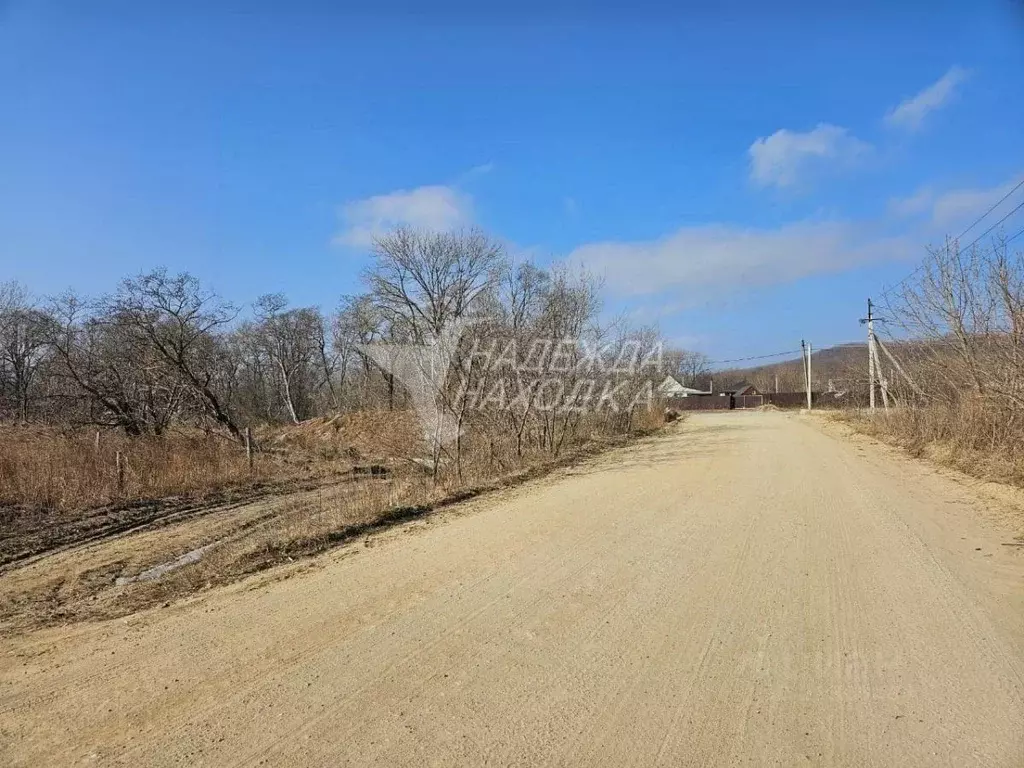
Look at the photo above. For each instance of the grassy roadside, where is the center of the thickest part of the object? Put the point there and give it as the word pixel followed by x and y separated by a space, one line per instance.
pixel 51 471
pixel 977 443
pixel 109 579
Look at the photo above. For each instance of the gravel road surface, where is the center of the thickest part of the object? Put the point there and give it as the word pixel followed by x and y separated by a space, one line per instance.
pixel 744 589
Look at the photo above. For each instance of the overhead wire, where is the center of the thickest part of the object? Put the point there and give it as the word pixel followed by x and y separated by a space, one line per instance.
pixel 1015 235
pixel 754 357
pixel 983 216
pixel 1013 211
pixel 973 224
pixel 782 354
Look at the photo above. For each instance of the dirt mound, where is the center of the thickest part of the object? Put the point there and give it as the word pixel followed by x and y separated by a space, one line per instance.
pixel 360 435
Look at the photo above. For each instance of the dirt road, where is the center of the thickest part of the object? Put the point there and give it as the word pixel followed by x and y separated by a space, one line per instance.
pixel 746 589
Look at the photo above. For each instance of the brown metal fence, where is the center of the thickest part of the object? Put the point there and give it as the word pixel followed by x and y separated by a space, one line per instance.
pixel 818 399
pixel 778 399
pixel 747 401
pixel 700 403
pixel 791 399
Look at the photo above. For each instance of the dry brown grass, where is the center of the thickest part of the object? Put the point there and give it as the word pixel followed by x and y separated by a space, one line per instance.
pixel 43 468
pixel 49 469
pixel 59 488
pixel 81 583
pixel 982 438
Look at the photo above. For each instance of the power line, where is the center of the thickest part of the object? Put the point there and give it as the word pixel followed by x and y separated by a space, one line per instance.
pixel 781 354
pixel 975 223
pixel 914 271
pixel 986 213
pixel 971 244
pixel 922 266
pixel 1015 235
pixel 838 344
pixel 754 357
pixel 1019 206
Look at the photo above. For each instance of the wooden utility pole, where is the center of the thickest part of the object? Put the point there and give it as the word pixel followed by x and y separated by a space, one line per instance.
pixel 803 358
pixel 871 357
pixel 875 370
pixel 805 349
pixel 883 385
pixel 809 376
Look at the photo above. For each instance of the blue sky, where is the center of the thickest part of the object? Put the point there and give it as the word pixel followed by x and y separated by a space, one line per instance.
pixel 744 177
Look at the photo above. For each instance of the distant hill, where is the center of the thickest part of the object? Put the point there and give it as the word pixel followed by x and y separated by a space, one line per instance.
pixel 845 365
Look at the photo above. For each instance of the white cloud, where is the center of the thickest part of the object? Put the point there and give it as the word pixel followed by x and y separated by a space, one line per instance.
pixel 480 170
pixel 916 204
pixel 475 172
pixel 911 113
pixel 694 262
pixel 951 210
pixel 787 157
pixel 429 207
pixel 957 206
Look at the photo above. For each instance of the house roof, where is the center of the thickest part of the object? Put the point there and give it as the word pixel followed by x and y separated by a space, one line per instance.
pixel 671 386
pixel 739 386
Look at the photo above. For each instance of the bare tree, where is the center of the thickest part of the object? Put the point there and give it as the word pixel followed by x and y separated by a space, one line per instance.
pixel 295 342
pixel 359 323
pixel 163 350
pixel 691 369
pixel 179 322
pixel 110 379
pixel 421 282
pixel 695 370
pixel 422 285
pixel 965 311
pixel 25 331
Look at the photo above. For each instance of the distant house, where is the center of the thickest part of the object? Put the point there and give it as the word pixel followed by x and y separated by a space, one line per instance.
pixel 671 387
pixel 740 389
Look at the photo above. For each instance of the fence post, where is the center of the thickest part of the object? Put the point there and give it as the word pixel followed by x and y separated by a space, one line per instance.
pixel 97 445
pixel 120 472
pixel 248 447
